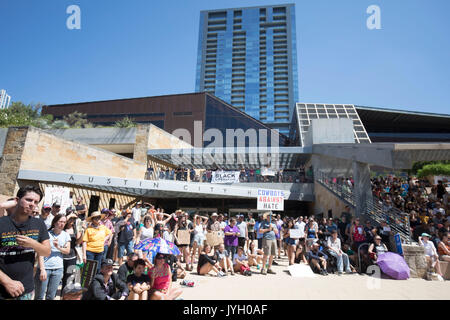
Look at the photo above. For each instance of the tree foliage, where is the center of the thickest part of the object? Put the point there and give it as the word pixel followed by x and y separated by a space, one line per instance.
pixel 125 123
pixel 19 114
pixel 437 169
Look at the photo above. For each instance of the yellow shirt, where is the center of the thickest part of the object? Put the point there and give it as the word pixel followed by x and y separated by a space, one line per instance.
pixel 424 219
pixel 95 238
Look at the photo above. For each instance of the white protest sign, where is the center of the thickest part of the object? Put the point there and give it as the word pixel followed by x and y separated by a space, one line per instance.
pixel 270 200
pixel 225 177
pixel 60 194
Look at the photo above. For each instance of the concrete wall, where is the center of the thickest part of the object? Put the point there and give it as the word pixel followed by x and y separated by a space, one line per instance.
pixel 326 200
pixel 330 131
pixel 46 152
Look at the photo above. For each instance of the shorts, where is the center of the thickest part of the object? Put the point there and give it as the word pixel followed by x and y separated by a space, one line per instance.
pixel 269 247
pixel 122 247
pixel 290 241
pixel 199 238
pixel 241 241
pixel 251 236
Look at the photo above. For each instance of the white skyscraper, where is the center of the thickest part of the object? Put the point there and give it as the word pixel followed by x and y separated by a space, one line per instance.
pixel 4 99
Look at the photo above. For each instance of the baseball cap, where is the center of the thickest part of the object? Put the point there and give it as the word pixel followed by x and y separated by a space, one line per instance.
pixel 105 210
pixel 57 203
pixel 107 263
pixel 69 210
pixel 425 235
pixel 47 206
pixel 72 288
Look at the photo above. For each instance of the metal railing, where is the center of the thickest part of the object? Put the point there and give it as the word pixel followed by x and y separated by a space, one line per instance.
pixel 376 210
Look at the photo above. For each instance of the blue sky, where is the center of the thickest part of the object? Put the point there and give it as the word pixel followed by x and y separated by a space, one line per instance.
pixel 141 48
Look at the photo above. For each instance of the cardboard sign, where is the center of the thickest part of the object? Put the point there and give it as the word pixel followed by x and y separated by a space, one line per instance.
pixel 270 200
pixel 295 233
pixel 184 237
pixel 214 238
pixel 88 273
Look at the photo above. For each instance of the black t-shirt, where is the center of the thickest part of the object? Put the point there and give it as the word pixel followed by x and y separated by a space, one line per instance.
pixel 133 279
pixel 124 271
pixel 126 232
pixel 15 261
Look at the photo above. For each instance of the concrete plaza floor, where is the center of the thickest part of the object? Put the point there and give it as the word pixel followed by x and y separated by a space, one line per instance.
pixel 283 286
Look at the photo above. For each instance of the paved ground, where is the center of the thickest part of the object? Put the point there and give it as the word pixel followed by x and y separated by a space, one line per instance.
pixel 282 286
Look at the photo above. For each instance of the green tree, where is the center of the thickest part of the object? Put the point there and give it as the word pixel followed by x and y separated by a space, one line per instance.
pixel 19 114
pixel 76 120
pixel 125 123
pixel 437 169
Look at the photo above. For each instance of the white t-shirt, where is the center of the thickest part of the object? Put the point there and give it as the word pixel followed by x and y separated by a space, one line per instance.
pixel 242 228
pixel 300 226
pixel 336 245
pixel 146 233
pixel 136 214
pixel 430 250
pixel 223 224
pixel 55 260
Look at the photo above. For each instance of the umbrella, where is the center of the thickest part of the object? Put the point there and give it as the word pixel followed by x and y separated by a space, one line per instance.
pixel 393 265
pixel 157 245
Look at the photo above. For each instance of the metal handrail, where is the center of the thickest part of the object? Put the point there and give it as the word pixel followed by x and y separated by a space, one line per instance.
pixel 395 218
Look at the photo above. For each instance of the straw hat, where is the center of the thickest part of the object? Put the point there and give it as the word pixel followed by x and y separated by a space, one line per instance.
pixel 72 215
pixel 95 214
pixel 265 214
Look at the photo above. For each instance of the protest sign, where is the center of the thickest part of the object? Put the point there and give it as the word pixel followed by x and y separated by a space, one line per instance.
pixel 184 237
pixel 225 177
pixel 270 200
pixel 60 194
pixel 88 273
pixel 214 238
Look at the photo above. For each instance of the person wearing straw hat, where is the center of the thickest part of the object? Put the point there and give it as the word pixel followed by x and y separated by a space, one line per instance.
pixel 94 239
pixel 269 243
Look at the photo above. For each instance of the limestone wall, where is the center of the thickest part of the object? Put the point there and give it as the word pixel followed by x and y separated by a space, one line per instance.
pixel 46 152
pixel 11 159
pixel 325 200
pixel 415 258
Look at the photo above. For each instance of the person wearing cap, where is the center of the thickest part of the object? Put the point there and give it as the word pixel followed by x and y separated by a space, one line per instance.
pixel 72 291
pixel 106 285
pixel 46 216
pixel 94 239
pixel 317 259
pixel 269 243
pixel 430 253
pixel 127 267
pixel 136 212
pixel 243 231
pixel 56 208
pixel 376 248
pixel 334 248
pixel 81 209
pixel 213 223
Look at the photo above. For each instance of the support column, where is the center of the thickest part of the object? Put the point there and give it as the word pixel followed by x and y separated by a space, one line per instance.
pixel 362 187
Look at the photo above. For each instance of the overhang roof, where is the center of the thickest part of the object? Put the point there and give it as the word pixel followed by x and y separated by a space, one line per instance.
pixel 233 158
pixel 388 155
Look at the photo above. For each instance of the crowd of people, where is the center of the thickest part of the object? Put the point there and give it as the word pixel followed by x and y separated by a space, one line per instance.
pixel 301 175
pixel 40 249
